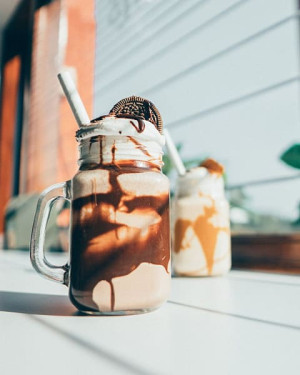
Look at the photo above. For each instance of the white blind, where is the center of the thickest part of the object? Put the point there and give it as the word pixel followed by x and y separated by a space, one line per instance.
pixel 224 74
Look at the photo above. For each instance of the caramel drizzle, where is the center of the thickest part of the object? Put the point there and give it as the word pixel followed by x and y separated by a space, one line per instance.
pixel 205 231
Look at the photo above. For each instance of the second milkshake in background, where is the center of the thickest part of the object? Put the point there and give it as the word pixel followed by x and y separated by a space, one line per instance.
pixel 201 230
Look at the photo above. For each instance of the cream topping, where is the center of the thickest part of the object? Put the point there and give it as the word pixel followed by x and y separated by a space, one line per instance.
pixel 116 126
pixel 113 139
pixel 200 180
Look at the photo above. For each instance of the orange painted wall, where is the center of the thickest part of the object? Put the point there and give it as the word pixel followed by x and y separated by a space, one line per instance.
pixel 7 131
pixel 80 55
pixel 41 134
pixel 49 149
pixel 52 148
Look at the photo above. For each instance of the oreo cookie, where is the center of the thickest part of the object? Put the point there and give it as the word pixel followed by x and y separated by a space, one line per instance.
pixel 140 108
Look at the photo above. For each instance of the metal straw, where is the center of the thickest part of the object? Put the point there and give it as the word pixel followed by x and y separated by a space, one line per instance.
pixel 174 154
pixel 73 98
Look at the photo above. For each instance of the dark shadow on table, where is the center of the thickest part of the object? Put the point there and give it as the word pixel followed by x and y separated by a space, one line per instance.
pixel 37 304
pixel 50 304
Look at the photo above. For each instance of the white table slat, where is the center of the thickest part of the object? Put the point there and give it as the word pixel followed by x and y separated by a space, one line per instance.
pixel 263 300
pixel 244 323
pixel 28 347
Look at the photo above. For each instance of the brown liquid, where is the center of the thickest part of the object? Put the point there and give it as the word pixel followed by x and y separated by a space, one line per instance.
pixel 205 231
pixel 102 248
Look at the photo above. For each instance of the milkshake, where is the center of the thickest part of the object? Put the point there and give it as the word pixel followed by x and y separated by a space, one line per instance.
pixel 201 240
pixel 120 243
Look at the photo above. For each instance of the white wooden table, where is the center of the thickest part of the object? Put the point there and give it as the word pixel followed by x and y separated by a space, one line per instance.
pixel 245 323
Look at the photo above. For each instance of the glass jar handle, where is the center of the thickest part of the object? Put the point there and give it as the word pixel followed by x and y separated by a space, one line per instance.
pixel 37 248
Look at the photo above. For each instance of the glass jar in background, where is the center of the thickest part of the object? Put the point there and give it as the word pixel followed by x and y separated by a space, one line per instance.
pixel 201 224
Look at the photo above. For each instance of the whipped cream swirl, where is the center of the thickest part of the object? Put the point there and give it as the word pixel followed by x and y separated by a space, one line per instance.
pixel 114 139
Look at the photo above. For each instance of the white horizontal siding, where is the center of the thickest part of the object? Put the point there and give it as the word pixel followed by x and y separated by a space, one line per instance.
pixel 119 26
pixel 224 74
pixel 248 68
pixel 252 133
pixel 137 24
pixel 281 198
pixel 137 72
pixel 248 138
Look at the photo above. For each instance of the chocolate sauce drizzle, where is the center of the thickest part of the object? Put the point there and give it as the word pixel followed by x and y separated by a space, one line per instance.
pixel 141 123
pixel 150 163
pixel 113 153
pixel 139 128
pixel 139 146
pixel 91 260
pixel 112 295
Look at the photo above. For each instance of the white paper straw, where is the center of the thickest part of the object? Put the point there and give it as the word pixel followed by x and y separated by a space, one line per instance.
pixel 174 154
pixel 73 98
